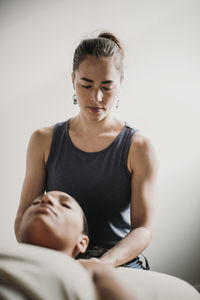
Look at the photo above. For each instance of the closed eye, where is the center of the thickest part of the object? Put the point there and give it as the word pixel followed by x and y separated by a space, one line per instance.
pixel 66 205
pixel 35 202
pixel 106 89
pixel 86 86
pixel 89 86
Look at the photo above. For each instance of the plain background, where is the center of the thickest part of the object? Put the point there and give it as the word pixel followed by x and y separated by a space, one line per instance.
pixel 160 96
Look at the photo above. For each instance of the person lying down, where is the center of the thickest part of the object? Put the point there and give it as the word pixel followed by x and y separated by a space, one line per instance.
pixel 56 221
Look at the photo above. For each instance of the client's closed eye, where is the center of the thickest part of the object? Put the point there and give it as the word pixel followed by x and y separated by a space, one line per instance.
pixel 35 202
pixel 65 205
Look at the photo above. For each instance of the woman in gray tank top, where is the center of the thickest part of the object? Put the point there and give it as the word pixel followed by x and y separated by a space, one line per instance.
pixel 106 165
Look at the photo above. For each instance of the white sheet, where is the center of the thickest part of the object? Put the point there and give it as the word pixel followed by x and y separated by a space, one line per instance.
pixel 30 272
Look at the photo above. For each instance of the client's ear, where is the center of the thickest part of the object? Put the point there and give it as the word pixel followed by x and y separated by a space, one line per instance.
pixel 81 245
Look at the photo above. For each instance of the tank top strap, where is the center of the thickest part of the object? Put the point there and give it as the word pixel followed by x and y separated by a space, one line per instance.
pixel 127 140
pixel 59 132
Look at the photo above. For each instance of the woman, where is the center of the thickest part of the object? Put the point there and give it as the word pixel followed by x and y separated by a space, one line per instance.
pixel 108 167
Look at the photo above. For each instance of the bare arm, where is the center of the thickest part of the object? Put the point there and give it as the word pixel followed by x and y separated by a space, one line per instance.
pixel 34 181
pixel 144 165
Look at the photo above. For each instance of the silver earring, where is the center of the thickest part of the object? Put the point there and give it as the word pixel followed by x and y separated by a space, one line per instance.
pixel 74 98
pixel 117 104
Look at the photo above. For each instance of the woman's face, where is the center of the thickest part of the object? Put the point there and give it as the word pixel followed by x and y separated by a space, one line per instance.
pixel 97 86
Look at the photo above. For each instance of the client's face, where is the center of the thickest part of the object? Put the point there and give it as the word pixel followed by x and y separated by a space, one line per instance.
pixel 54 220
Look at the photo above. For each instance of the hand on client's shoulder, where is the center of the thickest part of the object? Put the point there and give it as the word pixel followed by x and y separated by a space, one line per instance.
pixel 107 281
pixel 94 265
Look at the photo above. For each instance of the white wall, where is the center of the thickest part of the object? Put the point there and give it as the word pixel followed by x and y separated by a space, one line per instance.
pixel 160 95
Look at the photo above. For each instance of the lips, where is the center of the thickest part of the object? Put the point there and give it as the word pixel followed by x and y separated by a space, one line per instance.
pixel 95 109
pixel 45 208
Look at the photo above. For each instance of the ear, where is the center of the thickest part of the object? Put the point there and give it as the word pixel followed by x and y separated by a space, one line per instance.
pixel 81 245
pixel 73 80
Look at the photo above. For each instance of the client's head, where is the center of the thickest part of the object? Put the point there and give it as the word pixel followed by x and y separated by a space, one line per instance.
pixel 55 220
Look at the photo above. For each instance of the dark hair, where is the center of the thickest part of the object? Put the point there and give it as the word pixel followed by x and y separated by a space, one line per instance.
pixel 105 45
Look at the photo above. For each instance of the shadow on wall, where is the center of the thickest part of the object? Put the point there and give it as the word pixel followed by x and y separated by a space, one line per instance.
pixel 175 248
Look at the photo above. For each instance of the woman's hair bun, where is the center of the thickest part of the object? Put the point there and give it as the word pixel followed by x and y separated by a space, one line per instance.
pixel 112 37
pixel 104 44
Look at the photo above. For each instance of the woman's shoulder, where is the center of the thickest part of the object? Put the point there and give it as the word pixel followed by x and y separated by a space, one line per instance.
pixel 43 134
pixel 142 150
pixel 47 132
pixel 40 141
pixel 141 143
pixel 139 138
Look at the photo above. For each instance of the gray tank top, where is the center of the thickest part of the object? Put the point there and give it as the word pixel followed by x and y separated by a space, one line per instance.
pixel 99 181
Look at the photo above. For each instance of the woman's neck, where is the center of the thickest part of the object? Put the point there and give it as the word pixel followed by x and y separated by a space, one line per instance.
pixel 94 127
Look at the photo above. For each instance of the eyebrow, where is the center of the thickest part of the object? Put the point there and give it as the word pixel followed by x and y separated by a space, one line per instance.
pixel 65 198
pixel 90 80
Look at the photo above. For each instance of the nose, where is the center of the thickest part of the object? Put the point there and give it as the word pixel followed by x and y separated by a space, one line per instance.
pixel 48 199
pixel 98 95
